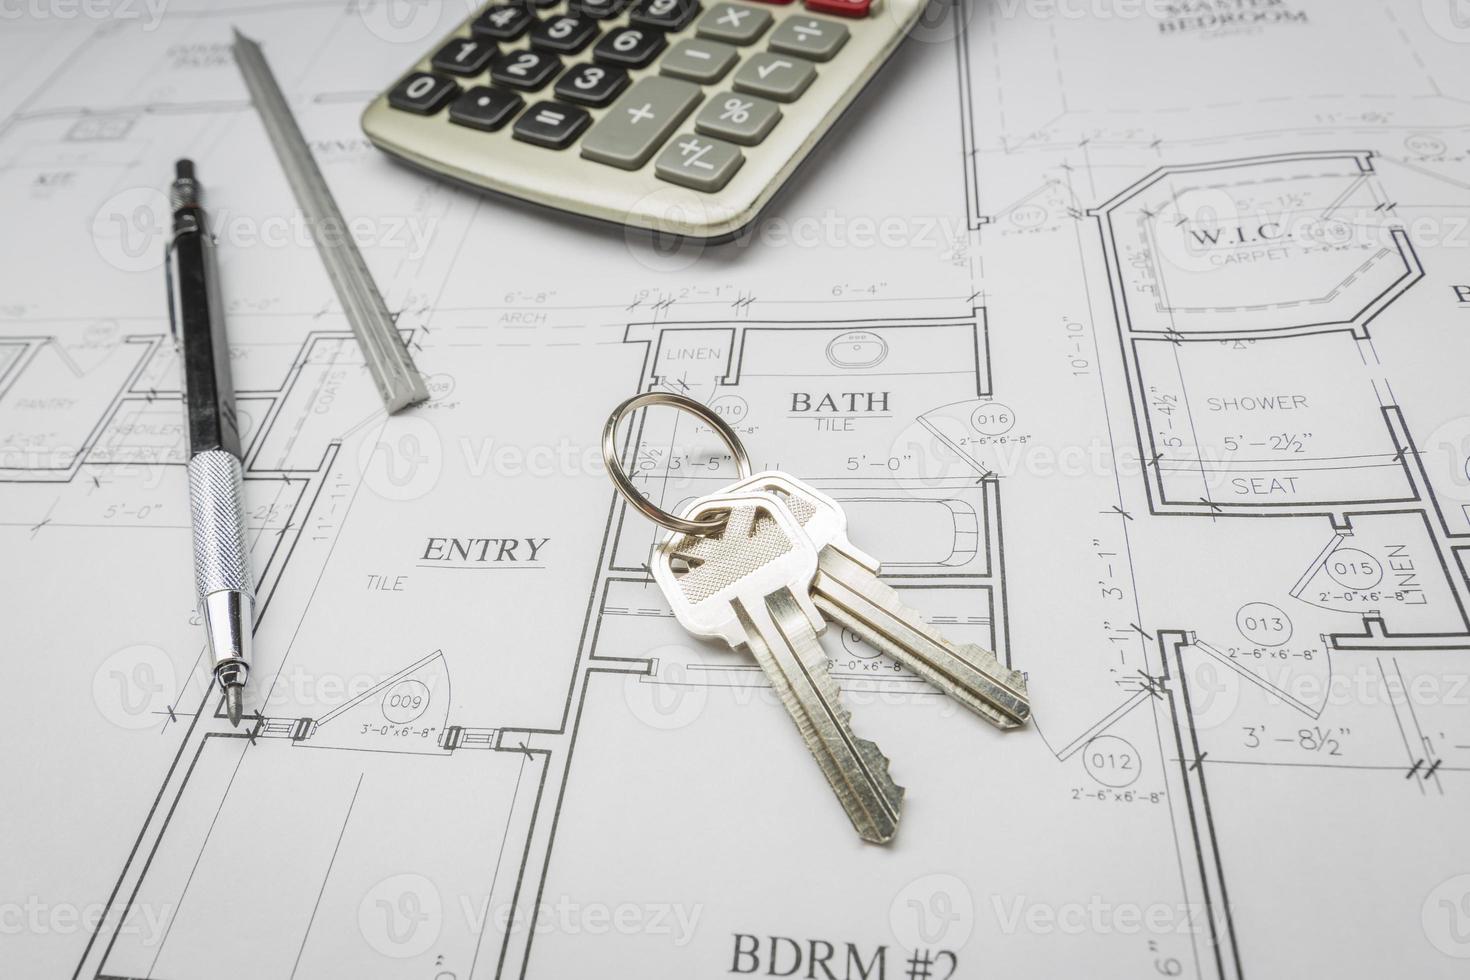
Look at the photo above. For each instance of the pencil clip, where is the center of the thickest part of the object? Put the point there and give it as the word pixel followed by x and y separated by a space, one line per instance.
pixel 171 284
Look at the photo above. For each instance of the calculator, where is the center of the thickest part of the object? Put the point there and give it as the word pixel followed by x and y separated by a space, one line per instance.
pixel 678 116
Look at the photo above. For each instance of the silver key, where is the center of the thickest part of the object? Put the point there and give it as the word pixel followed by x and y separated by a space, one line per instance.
pixel 847 590
pixel 750 586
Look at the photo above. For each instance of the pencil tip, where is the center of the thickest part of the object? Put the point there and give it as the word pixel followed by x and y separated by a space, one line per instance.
pixel 234 703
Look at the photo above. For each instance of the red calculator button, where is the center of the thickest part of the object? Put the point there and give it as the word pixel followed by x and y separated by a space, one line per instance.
pixel 840 8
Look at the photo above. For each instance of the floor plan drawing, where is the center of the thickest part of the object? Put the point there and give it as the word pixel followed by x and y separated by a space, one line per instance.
pixel 1147 375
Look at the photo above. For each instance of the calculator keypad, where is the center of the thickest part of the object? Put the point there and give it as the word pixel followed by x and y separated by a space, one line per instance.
pixel 566 34
pixel 593 85
pixel 705 62
pixel 743 119
pixel 463 56
pixel 697 162
pixel 486 108
pixel 502 22
pixel 809 37
pixel 760 61
pixel 632 47
pixel 422 93
pixel 599 9
pixel 552 125
pixel 666 15
pixel 527 70
pixel 734 23
pixel 640 122
pixel 775 76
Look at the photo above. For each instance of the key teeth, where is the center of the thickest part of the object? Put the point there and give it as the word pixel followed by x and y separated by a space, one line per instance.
pixel 882 830
pixel 893 794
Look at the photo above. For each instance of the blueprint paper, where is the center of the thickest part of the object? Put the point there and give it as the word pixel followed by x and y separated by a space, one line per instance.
pixel 1132 338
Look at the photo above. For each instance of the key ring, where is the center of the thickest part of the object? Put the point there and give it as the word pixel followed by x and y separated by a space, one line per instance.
pixel 650 510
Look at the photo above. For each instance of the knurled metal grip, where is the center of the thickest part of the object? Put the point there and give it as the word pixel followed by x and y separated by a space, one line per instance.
pixel 219 524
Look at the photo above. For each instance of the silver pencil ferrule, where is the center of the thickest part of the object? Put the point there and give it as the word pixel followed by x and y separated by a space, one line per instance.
pixel 221 572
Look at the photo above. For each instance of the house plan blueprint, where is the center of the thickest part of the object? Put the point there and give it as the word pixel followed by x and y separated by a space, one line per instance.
pixel 1131 335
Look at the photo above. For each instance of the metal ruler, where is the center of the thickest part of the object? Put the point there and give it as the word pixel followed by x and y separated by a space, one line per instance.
pixel 399 382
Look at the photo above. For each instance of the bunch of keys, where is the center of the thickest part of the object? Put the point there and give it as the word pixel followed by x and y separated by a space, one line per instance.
pixel 763 565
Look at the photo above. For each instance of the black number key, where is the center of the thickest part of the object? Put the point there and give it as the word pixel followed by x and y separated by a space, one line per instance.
pixel 463 56
pixel 551 124
pixel 599 9
pixel 422 93
pixel 566 34
pixel 527 70
pixel 502 21
pixel 593 85
pixel 630 46
pixel 485 108
pixel 666 15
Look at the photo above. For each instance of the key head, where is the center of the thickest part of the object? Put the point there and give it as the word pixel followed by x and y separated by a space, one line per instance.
pixel 760 550
pixel 820 517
